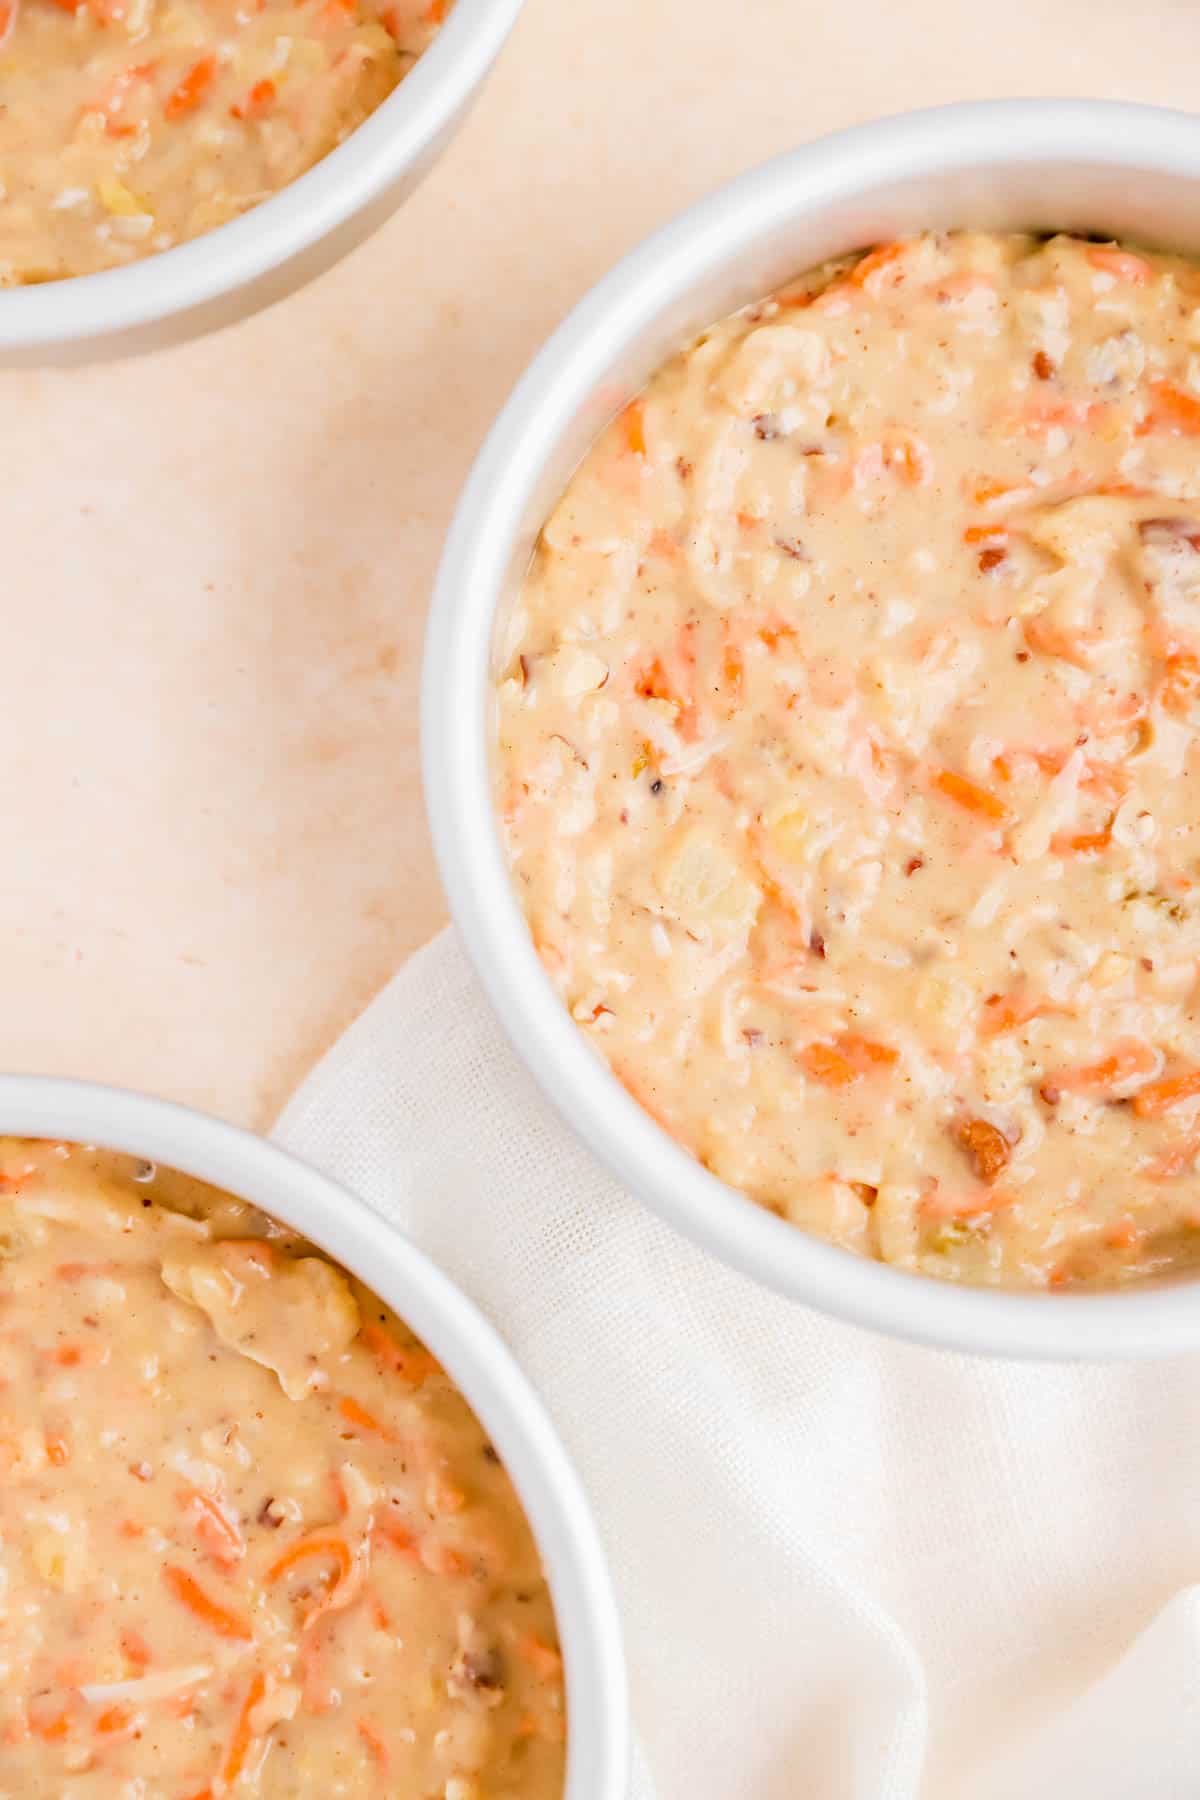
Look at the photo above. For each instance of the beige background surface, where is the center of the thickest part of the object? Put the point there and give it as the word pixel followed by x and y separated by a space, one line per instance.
pixel 216 561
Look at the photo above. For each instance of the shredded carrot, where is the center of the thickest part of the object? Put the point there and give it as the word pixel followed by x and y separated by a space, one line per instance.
pixel 545 1662
pixel 1181 682
pixel 664 544
pixel 1127 1061
pixel 1123 1234
pixel 1005 1012
pixel 984 534
pixel 373 1740
pixel 243 1734
pixel 257 103
pixel 1176 1161
pixel 116 1718
pixel 413 1364
pixel 441 1559
pixel 218 1533
pixel 846 1060
pixel 1049 639
pixel 867 271
pixel 398 1537
pixel 134 1648
pixel 972 1205
pixel 989 490
pixel 356 1415
pixel 189 1593
pixel 1084 843
pixel 57 1448
pixel 1160 1096
pixel 910 456
pixel 321 1546
pixel 1040 416
pixel 970 796
pixel 654 685
pixel 1174 409
pixel 633 428
pixel 1121 263
pixel 52 1727
pixel 192 89
pixel 733 670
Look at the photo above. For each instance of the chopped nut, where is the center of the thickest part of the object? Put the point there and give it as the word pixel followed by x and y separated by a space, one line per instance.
pixel 986 1145
pixel 1170 534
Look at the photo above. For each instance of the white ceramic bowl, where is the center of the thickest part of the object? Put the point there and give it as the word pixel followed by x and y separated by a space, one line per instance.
pixel 277 246
pixel 598 1746
pixel 1086 166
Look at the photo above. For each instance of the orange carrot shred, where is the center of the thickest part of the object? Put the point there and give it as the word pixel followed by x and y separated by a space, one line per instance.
pixel 373 1740
pixel 846 1060
pixel 189 1593
pixel 322 1545
pixel 633 428
pixel 243 1733
pixel 1084 843
pixel 1175 1161
pixel 357 1416
pixel 1174 408
pixel 217 1532
pixel 1121 263
pixel 1181 682
pixel 1160 1096
pixel 257 103
pixel 545 1662
pixel 1125 1062
pixel 116 1718
pixel 970 796
pixel 864 272
pixel 1006 1012
pixel 184 98
pixel 413 1365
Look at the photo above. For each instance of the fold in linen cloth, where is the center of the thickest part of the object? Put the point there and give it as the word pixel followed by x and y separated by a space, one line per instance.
pixel 849 1569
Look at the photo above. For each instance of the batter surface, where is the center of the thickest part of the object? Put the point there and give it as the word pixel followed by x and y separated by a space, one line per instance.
pixel 127 126
pixel 846 755
pixel 253 1542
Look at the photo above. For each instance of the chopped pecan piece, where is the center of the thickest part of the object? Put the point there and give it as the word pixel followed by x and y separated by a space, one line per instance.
pixel 986 1145
pixel 1171 534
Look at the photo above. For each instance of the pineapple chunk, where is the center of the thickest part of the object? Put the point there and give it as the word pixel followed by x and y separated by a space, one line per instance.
pixel 284 1313
pixel 703 888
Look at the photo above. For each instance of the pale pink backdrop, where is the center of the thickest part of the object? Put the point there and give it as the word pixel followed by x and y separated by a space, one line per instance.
pixel 216 561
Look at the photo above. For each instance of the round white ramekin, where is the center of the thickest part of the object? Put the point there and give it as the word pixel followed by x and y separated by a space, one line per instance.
pixel 598 1744
pixel 279 245
pixel 1085 166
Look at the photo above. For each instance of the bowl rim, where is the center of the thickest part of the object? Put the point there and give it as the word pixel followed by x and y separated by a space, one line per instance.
pixel 235 255
pixel 568 371
pixel 338 1222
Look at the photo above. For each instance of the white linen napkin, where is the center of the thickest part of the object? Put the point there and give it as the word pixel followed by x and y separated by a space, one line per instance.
pixel 849 1569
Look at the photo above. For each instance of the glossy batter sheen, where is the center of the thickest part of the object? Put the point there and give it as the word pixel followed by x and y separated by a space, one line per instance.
pixel 253 1543
pixel 847 757
pixel 127 126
